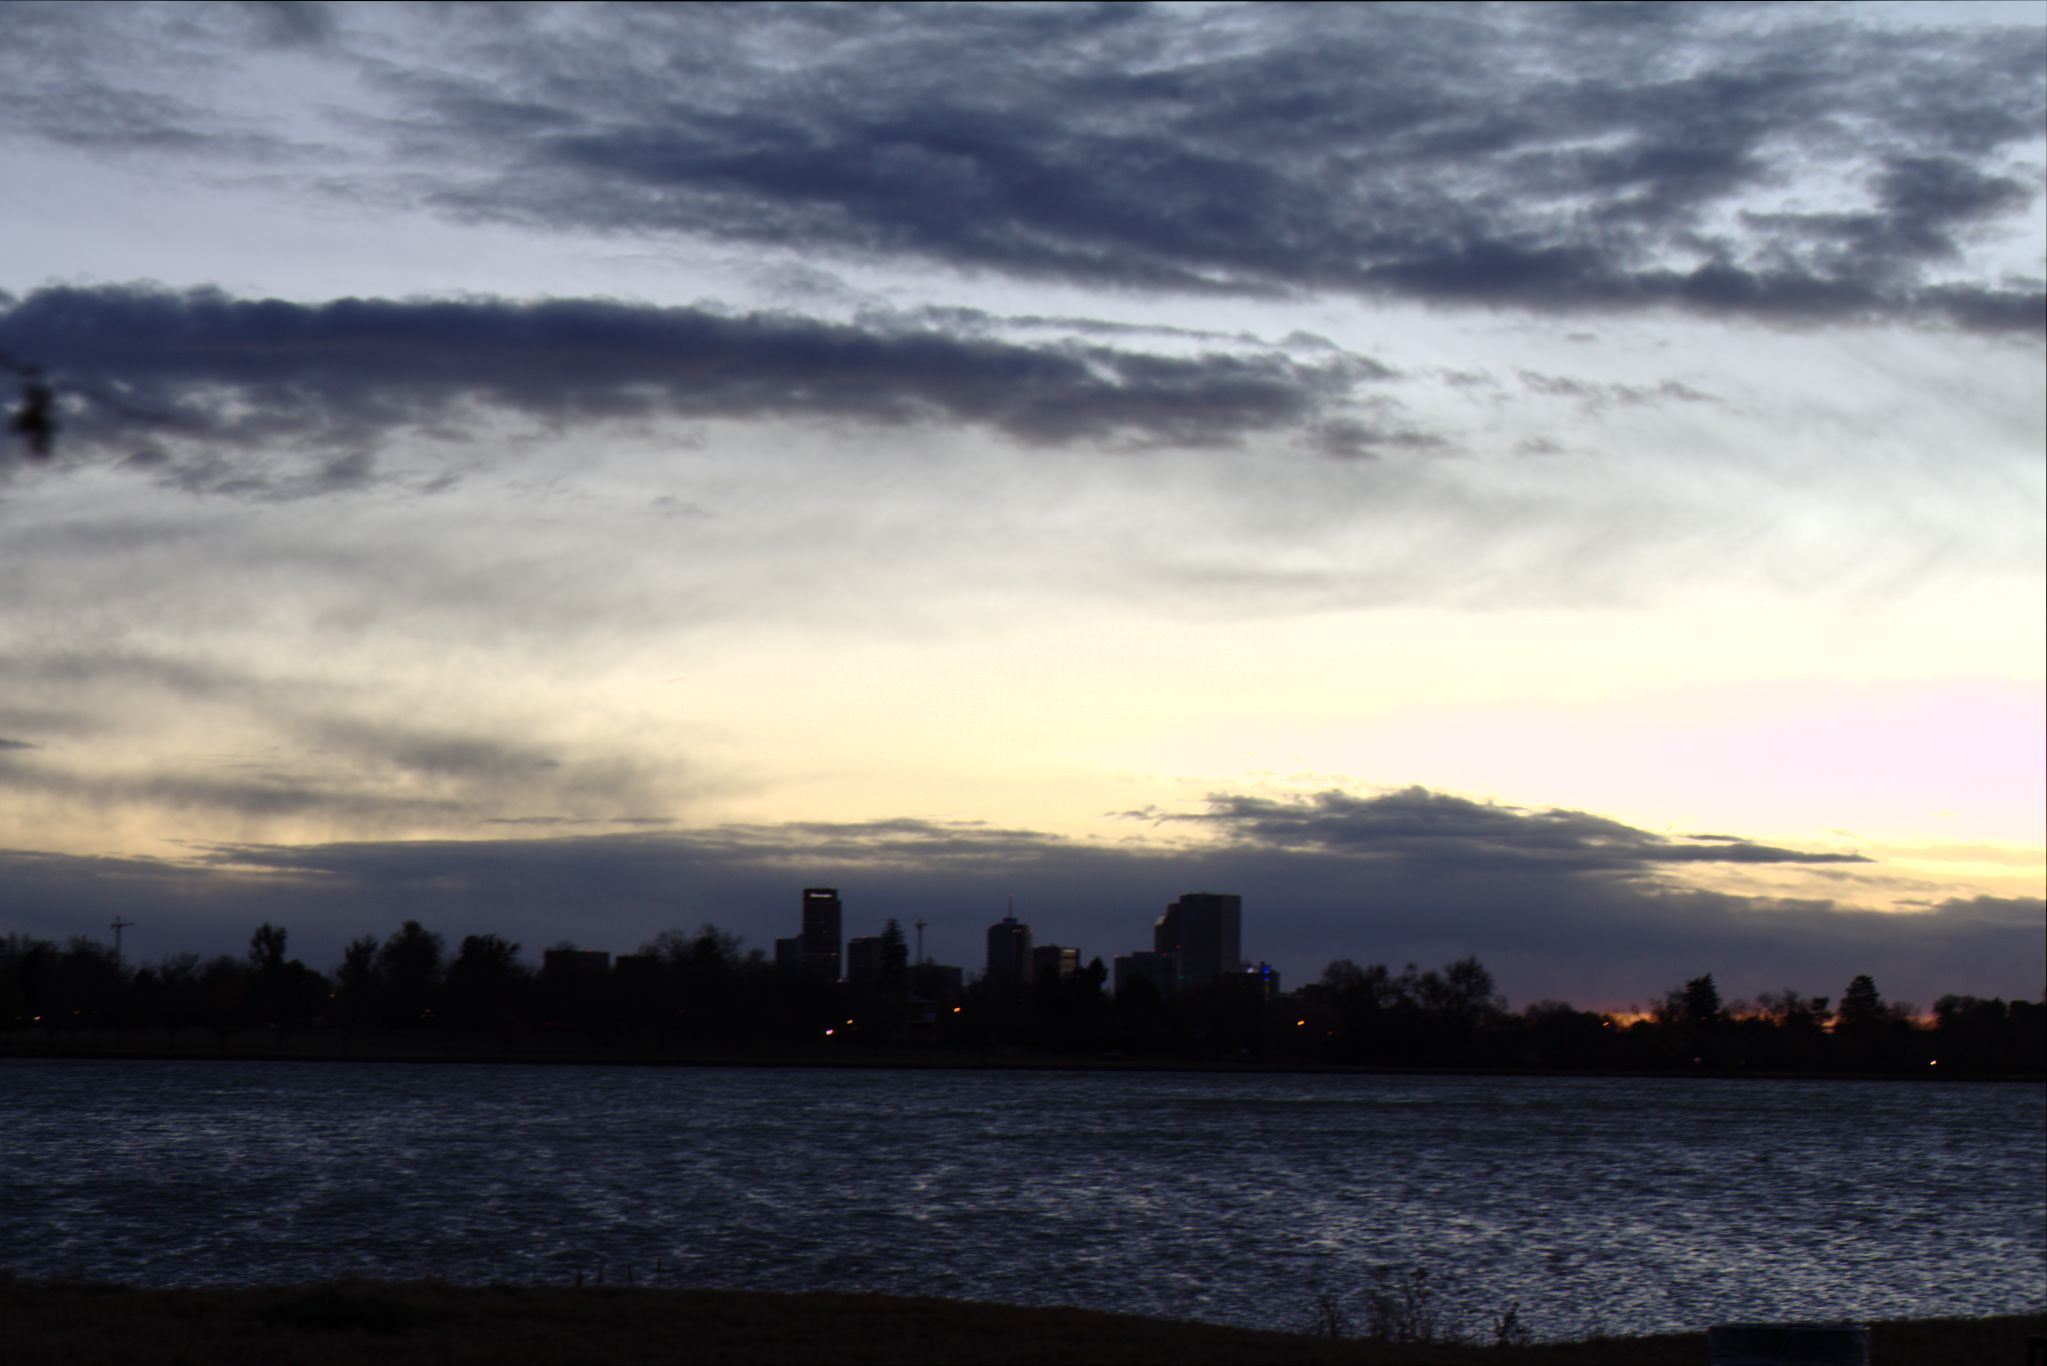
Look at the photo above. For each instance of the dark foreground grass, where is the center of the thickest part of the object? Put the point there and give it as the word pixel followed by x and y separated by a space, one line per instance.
pixel 387 1324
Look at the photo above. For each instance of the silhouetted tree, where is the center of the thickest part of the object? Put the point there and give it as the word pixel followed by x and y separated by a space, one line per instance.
pixel 1141 1020
pixel 1070 1014
pixel 895 960
pixel 266 960
pixel 1869 1034
pixel 266 949
pixel 704 996
pixel 88 984
pixel 1557 1034
pixel 1789 1009
pixel 1691 1024
pixel 181 994
pixel 1362 1003
pixel 487 983
pixel 224 986
pixel 357 976
pixel 1699 1005
pixel 1462 1005
pixel 1788 1031
pixel 1862 1008
pixel 409 973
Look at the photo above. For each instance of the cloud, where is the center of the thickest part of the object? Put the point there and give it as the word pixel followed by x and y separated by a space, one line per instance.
pixel 1781 167
pixel 1425 830
pixel 1776 165
pixel 1595 397
pixel 1559 904
pixel 146 87
pixel 265 751
pixel 208 373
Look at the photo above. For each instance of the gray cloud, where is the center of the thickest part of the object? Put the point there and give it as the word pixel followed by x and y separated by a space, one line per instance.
pixel 197 369
pixel 307 749
pixel 259 794
pixel 1431 830
pixel 1551 158
pixel 1560 905
pixel 1783 165
pixel 139 85
pixel 1596 397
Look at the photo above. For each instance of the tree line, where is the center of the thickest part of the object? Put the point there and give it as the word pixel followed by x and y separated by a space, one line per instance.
pixel 704 994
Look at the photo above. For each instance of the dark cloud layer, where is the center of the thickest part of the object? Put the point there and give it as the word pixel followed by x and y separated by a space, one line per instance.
pixel 1555 157
pixel 1431 830
pixel 1779 163
pixel 141 367
pixel 1573 909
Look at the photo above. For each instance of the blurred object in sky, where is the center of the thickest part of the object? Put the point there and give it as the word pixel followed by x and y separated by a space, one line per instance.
pixel 36 418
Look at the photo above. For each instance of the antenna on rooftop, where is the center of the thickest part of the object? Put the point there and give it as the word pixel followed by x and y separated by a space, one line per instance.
pixel 119 924
pixel 920 941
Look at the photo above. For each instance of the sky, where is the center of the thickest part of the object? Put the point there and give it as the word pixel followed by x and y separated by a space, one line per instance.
pixel 1561 483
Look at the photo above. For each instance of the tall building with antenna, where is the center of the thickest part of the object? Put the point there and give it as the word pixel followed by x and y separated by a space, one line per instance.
pixel 1009 953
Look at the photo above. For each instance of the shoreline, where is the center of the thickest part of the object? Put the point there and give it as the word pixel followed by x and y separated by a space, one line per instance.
pixel 397 1323
pixel 329 1046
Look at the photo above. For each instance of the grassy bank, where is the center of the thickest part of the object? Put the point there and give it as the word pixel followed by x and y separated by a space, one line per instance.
pixel 400 1324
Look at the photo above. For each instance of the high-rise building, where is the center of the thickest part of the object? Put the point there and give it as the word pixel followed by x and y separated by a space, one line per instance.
pixel 1203 932
pixel 863 960
pixel 821 933
pixel 1053 961
pixel 1009 954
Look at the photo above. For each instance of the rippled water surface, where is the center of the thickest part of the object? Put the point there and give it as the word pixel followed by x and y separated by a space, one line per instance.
pixel 1616 1204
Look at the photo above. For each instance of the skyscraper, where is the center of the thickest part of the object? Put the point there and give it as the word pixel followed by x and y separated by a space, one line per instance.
pixel 1203 932
pixel 1009 954
pixel 821 933
pixel 863 960
pixel 1053 961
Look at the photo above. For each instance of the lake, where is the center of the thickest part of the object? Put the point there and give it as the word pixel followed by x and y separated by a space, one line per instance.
pixel 1592 1204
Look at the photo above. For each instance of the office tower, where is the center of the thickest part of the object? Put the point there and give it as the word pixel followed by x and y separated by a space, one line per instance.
pixel 1009 954
pixel 863 960
pixel 821 933
pixel 1202 930
pixel 1053 961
